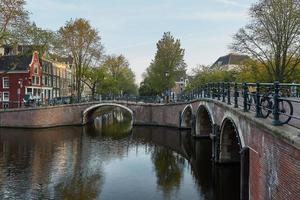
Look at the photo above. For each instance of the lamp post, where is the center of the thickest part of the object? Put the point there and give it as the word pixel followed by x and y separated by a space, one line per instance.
pixel 20 83
pixel 167 90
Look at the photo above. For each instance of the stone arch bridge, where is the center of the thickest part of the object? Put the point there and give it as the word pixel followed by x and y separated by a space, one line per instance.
pixel 269 155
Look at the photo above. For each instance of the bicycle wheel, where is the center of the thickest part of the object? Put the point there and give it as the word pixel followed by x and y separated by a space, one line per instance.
pixel 285 111
pixel 266 107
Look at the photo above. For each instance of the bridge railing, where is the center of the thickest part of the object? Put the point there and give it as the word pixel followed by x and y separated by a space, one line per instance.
pixel 278 101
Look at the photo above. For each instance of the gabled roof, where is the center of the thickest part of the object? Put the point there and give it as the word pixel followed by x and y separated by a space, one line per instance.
pixel 230 59
pixel 15 62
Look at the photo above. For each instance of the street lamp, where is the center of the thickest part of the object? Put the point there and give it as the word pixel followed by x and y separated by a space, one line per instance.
pixel 20 83
pixel 167 90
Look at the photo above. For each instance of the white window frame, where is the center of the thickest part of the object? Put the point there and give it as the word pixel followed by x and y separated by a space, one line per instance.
pixel 36 67
pixel 3 81
pixel 3 98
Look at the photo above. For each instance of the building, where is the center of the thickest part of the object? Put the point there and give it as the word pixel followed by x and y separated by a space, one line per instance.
pixel 180 86
pixel 20 75
pixel 230 61
pixel 59 75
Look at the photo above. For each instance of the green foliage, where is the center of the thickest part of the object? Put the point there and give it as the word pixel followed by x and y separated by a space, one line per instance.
pixel 13 17
pixel 249 71
pixel 206 75
pixel 167 66
pixel 80 40
pixel 119 79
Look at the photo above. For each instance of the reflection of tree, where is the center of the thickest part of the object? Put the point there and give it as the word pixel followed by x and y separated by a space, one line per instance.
pixel 81 188
pixel 169 169
pixel 111 122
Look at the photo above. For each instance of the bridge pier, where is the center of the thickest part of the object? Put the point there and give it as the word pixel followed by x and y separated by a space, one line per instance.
pixel 215 137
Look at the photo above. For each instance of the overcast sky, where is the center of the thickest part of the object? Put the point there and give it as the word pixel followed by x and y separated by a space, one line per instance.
pixel 132 27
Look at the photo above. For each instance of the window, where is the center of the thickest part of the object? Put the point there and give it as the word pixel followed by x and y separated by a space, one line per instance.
pixel 5 82
pixel 5 105
pixel 29 91
pixel 36 69
pixel 35 80
pixel 5 96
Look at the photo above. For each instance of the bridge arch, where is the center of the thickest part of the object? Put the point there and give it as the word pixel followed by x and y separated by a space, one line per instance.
pixel 90 109
pixel 204 121
pixel 230 142
pixel 187 117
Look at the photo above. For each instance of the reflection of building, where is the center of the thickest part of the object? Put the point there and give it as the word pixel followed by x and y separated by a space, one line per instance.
pixel 20 75
pixel 230 61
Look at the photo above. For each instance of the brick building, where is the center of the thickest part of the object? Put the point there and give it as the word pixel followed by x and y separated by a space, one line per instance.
pixel 20 75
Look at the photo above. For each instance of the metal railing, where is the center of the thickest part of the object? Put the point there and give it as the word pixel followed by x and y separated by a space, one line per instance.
pixel 278 101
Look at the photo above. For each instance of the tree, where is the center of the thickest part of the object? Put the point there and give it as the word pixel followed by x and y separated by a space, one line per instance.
pixel 167 66
pixel 12 16
pixel 93 77
pixel 272 37
pixel 121 77
pixel 82 42
pixel 204 74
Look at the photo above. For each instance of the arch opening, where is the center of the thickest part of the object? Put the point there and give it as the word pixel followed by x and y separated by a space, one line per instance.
pixel 232 151
pixel 186 117
pixel 204 124
pixel 89 113
pixel 230 144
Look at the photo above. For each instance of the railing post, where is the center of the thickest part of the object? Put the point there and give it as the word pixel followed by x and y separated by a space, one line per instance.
pixel 219 91
pixel 201 90
pixel 228 94
pixel 235 96
pixel 223 92
pixel 275 111
pixel 213 91
pixel 257 99
pixel 245 92
pixel 208 91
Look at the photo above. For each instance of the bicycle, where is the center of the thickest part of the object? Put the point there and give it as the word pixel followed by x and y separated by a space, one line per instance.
pixel 285 107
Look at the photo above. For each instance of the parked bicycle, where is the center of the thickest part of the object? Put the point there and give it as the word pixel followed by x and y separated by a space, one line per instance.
pixel 285 107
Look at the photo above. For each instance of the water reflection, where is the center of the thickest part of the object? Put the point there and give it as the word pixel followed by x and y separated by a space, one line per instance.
pixel 109 121
pixel 83 163
pixel 168 169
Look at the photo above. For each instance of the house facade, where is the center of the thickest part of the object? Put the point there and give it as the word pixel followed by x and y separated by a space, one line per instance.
pixel 42 79
pixel 20 75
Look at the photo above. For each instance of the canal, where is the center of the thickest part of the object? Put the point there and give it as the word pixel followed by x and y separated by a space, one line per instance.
pixel 110 159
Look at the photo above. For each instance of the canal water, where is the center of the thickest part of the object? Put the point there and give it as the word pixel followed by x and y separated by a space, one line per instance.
pixel 110 159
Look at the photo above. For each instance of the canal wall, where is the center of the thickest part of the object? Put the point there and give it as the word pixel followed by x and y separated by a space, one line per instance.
pixel 273 154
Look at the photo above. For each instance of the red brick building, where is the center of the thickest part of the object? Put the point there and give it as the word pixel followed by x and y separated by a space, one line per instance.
pixel 19 75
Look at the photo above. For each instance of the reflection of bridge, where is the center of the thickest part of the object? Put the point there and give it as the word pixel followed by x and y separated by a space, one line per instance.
pixel 269 155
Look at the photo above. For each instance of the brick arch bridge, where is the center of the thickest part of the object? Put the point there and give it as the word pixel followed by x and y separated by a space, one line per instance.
pixel 269 155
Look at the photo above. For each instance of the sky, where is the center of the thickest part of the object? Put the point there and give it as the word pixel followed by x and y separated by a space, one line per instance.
pixel 132 27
